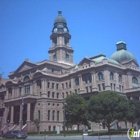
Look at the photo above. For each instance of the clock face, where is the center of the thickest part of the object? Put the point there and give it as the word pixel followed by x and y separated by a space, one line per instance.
pixel 65 29
pixel 55 30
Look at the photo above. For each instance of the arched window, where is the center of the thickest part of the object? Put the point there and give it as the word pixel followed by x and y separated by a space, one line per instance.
pixel 77 81
pixel 54 57
pixel 100 76
pixel 120 78
pixel 111 76
pixel 26 78
pixel 135 82
pixel 67 57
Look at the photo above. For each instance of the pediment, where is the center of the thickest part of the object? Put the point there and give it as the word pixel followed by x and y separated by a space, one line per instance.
pixel 25 66
pixel 85 61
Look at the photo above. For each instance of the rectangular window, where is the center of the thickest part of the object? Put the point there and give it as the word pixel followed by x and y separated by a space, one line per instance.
pixel 120 87
pixel 48 115
pixel 27 89
pixel 111 86
pixel 48 93
pixel 57 95
pixel 99 87
pixel 57 115
pixel 53 95
pixel 90 88
pixel 62 86
pixel 52 85
pixel 66 85
pixel 39 115
pixel 103 86
pixel 86 89
pixel 114 87
pixel 48 84
pixel 57 86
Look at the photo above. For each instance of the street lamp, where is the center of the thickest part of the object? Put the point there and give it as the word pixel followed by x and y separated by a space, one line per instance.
pixel 64 120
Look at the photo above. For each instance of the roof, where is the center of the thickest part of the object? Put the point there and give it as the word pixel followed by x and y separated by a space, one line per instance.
pixel 3 81
pixel 123 56
pixel 99 58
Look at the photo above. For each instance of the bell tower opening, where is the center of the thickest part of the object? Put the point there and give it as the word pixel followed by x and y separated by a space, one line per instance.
pixel 61 51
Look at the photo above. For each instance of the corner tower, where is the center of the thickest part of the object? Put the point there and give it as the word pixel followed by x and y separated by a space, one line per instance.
pixel 60 50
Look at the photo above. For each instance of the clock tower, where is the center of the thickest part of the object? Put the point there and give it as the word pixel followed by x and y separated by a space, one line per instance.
pixel 60 50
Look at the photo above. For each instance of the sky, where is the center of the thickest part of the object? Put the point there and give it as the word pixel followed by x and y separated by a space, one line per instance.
pixel 95 26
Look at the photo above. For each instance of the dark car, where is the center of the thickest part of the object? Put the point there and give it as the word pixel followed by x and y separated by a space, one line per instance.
pixel 16 134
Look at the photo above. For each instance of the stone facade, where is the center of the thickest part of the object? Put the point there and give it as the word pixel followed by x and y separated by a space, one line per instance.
pixel 37 90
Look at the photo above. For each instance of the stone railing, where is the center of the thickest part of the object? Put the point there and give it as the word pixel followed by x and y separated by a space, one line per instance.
pixel 132 89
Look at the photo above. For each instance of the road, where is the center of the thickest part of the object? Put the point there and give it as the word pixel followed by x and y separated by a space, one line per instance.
pixel 79 138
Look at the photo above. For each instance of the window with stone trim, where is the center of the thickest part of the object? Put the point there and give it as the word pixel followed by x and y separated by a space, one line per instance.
pixel 53 115
pixel 120 78
pixel 111 76
pixel 58 113
pixel 67 57
pixel 49 115
pixel 99 87
pixel 48 93
pixel 77 81
pixel 54 57
pixel 26 78
pixel 27 89
pixel 53 94
pixel 103 86
pixel 100 76
pixel 57 95
pixel 134 82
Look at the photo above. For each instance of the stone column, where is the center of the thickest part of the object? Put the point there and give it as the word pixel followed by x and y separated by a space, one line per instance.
pixel 35 87
pixel 5 115
pixel 129 81
pixel 29 116
pixel 94 83
pixel 44 92
pixel 117 81
pixel 81 83
pixel 107 80
pixel 12 115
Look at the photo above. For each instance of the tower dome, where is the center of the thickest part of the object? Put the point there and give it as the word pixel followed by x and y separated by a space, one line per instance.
pixel 60 19
pixel 122 55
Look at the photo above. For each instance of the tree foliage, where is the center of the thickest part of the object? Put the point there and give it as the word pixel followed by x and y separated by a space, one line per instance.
pixel 76 110
pixel 107 107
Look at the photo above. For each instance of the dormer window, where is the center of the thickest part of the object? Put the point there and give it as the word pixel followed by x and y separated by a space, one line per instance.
pixel 26 79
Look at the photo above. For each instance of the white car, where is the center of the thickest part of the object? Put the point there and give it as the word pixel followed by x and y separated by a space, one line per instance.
pixel 85 134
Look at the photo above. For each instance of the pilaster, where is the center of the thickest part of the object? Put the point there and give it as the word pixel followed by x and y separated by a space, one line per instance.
pixel 94 83
pixel 107 80
pixel 81 83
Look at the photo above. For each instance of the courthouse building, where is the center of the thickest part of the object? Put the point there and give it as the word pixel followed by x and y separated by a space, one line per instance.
pixel 37 90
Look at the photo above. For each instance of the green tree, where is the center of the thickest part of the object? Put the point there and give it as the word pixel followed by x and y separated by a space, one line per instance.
pixel 76 110
pixel 106 107
pixel 133 113
pixel 37 122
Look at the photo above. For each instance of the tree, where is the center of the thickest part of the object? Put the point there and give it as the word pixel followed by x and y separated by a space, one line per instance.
pixel 106 107
pixel 75 110
pixel 37 122
pixel 133 114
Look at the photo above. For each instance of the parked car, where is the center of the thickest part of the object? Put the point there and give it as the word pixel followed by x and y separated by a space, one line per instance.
pixel 16 134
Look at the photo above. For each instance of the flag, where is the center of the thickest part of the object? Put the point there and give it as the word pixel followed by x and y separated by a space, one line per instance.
pixel 22 103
